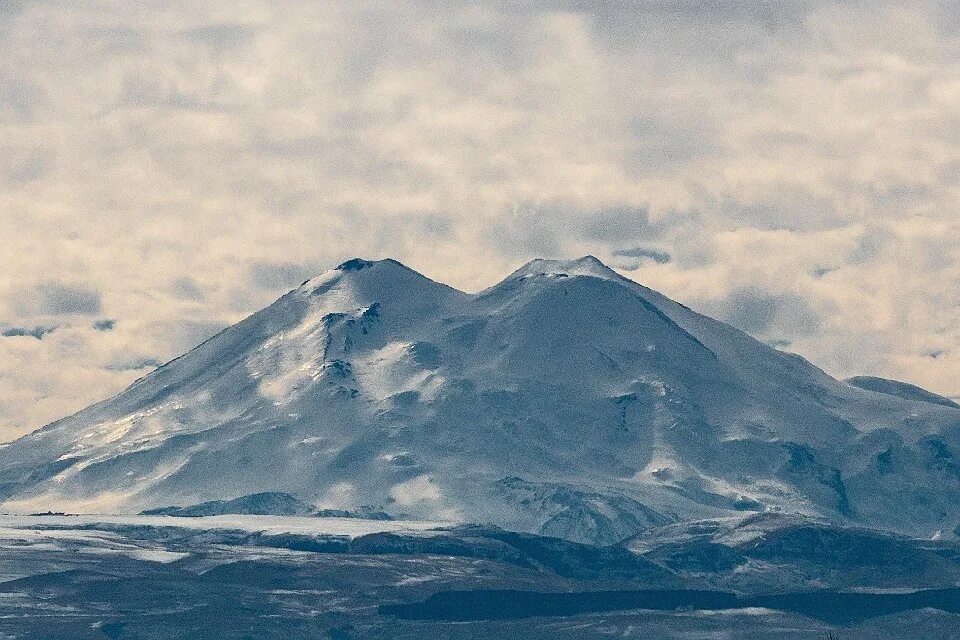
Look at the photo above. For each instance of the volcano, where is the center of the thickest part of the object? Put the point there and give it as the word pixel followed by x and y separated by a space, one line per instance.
pixel 566 400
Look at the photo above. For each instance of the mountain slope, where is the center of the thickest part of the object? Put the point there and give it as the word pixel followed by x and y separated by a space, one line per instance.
pixel 900 389
pixel 566 399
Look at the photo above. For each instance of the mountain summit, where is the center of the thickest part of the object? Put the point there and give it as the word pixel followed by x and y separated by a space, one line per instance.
pixel 566 400
pixel 585 266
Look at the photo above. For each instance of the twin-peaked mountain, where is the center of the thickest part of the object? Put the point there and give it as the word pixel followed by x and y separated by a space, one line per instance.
pixel 566 400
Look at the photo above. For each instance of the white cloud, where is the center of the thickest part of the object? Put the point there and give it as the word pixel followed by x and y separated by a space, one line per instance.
pixel 174 166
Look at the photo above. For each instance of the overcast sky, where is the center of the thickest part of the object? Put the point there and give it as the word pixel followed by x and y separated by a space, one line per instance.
pixel 168 167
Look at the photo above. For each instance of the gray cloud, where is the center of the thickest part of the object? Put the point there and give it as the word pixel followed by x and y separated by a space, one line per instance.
pixel 32 332
pixel 274 276
pixel 791 208
pixel 10 8
pixel 781 317
pixel 187 335
pixel 643 253
pixel 550 229
pixel 222 36
pixel 871 243
pixel 700 11
pixel 62 299
pixel 18 100
pixel 186 288
pixel 799 159
pixel 59 299
pixel 133 365
pixel 617 224
pixel 30 165
pixel 104 325
pixel 663 142
pixel 527 230
pixel 752 311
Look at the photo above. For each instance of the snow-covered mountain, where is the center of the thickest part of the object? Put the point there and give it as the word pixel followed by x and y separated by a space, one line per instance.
pixel 565 400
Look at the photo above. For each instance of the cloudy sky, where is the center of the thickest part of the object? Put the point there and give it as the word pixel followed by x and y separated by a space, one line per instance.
pixel 169 166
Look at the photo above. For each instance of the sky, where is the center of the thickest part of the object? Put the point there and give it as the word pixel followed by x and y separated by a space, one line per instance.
pixel 168 167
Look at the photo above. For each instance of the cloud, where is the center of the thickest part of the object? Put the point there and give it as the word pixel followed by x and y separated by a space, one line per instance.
pixel 32 332
pixel 751 311
pixel 177 165
pixel 553 229
pixel 187 334
pixel 760 313
pixel 186 288
pixel 274 276
pixel 104 325
pixel 221 36
pixel 632 259
pixel 58 299
pixel 616 224
pixel 134 365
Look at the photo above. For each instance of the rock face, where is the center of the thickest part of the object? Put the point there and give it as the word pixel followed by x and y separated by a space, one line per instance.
pixel 565 400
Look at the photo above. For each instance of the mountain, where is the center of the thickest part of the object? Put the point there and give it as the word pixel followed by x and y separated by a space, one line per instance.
pixel 771 552
pixel 900 389
pixel 764 576
pixel 267 503
pixel 565 400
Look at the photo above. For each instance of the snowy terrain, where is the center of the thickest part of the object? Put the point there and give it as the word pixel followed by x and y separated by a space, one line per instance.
pixel 565 400
pixel 765 576
pixel 266 525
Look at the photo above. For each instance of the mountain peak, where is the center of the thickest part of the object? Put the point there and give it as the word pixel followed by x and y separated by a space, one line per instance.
pixel 358 264
pixel 355 264
pixel 362 269
pixel 359 282
pixel 585 266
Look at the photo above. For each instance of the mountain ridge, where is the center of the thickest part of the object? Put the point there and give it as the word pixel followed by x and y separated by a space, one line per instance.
pixel 371 384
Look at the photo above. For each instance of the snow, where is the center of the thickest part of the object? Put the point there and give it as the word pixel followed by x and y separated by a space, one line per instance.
pixel 900 389
pixel 372 385
pixel 38 527
pixel 151 577
pixel 586 266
